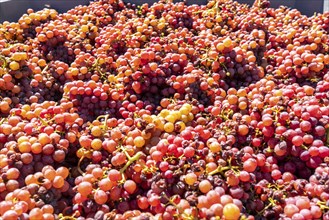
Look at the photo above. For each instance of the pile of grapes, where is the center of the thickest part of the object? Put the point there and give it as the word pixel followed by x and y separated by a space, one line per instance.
pixel 113 111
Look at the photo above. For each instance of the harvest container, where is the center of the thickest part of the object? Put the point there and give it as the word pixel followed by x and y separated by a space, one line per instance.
pixel 12 10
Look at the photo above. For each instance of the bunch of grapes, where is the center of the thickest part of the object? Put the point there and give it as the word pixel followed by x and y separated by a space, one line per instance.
pixel 167 111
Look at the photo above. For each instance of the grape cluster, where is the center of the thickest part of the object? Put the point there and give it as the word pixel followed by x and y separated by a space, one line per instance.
pixel 165 111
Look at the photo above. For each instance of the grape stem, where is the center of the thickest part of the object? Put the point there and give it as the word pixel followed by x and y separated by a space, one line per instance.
pixel 67 218
pixel 303 147
pixel 274 186
pixel 44 122
pixel 149 170
pixel 226 114
pixel 3 120
pixel 130 160
pixel 4 61
pixel 61 217
pixel 271 204
pixel 97 68
pixel 214 8
pixel 79 163
pixel 179 209
pixel 44 70
pixel 221 169
pixel 170 201
pixel 105 121
pixel 85 153
pixel 276 111
pixel 130 65
pixel 323 205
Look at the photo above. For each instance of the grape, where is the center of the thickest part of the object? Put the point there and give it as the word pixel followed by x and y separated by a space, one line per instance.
pixel 215 147
pixel 50 174
pixel 139 141
pixel 306 213
pixel 142 203
pixel 250 165
pixel 130 186
pixel 205 186
pixel 58 182
pixel 63 172
pixel 316 212
pixel 10 214
pixel 100 197
pixel 226 199
pixel 114 175
pixel 190 178
pixel 231 211
pixel 236 192
pixel 290 210
pixel 303 203
pixel 36 213
pixel 12 173
pixel 85 188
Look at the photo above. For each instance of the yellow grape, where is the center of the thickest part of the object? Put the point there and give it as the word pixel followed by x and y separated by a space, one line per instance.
pixel 231 211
